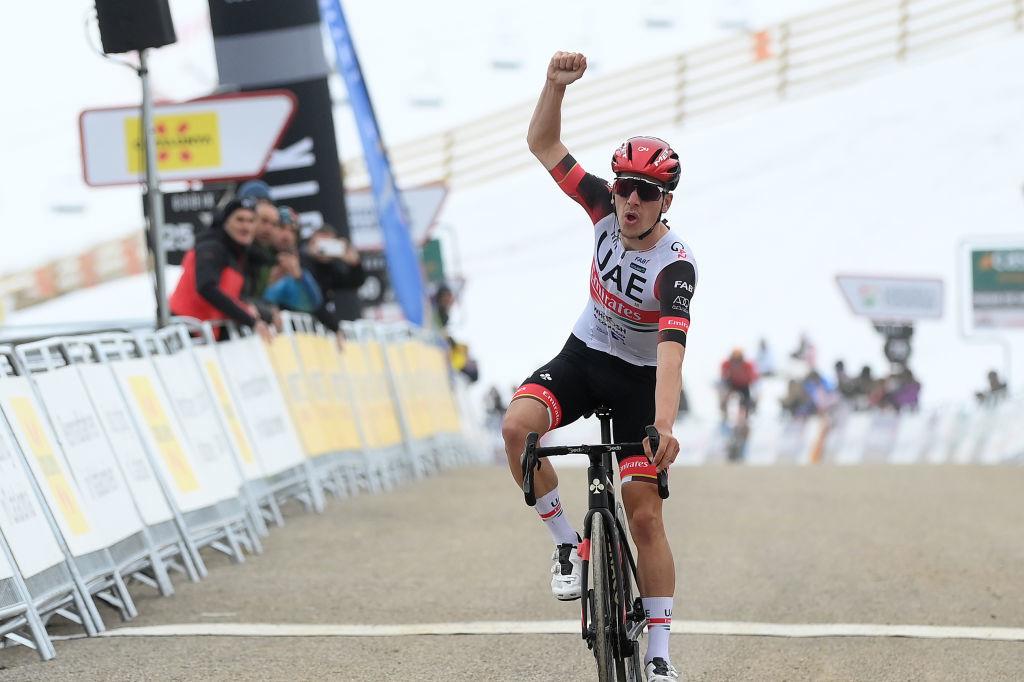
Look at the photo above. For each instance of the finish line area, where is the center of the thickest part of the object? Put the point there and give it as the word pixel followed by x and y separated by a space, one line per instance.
pixel 566 627
pixel 783 573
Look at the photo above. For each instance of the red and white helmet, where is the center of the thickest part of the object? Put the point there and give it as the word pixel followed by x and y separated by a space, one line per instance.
pixel 650 158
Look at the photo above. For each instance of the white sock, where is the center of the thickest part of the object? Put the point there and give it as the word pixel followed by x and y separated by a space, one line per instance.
pixel 550 509
pixel 659 623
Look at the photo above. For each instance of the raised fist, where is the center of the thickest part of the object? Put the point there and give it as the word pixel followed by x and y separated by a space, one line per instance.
pixel 566 67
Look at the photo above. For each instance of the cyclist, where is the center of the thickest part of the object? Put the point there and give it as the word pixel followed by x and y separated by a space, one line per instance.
pixel 738 377
pixel 625 351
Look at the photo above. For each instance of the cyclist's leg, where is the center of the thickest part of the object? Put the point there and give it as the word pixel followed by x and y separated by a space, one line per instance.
pixel 632 401
pixel 524 416
pixel 656 571
pixel 552 396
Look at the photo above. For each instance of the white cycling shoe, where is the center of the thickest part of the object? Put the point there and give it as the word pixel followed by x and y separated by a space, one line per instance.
pixel 566 573
pixel 660 670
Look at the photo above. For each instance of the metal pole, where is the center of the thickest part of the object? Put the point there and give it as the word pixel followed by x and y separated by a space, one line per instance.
pixel 156 205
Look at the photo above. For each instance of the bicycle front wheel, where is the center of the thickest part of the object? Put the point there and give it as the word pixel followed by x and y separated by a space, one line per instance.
pixel 600 596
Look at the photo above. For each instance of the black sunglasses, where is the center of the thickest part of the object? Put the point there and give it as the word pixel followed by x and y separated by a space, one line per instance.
pixel 646 191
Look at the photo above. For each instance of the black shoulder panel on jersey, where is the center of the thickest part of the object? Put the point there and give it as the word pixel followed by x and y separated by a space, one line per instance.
pixel 674 288
pixel 589 191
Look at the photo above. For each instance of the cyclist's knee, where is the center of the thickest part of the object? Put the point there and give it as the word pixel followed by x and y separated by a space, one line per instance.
pixel 522 417
pixel 645 524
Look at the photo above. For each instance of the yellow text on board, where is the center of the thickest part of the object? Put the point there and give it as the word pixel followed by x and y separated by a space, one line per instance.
pixel 40 445
pixel 213 372
pixel 160 428
pixel 183 142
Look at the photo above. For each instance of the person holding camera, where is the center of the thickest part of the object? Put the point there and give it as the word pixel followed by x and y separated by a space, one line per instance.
pixel 337 268
pixel 290 286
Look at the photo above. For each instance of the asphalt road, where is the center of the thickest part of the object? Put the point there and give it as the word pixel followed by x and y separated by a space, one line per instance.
pixel 921 545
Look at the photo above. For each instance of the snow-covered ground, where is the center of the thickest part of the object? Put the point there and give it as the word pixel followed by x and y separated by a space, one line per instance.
pixel 886 176
pixel 441 50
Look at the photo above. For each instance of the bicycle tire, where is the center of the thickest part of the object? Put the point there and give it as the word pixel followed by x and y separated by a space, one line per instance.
pixel 629 669
pixel 604 631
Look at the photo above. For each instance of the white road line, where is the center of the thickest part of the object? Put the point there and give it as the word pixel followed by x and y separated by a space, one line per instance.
pixel 567 627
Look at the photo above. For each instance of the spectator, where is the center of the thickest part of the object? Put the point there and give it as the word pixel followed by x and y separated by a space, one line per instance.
pixel 337 268
pixel 262 256
pixel 796 402
pixel 997 390
pixel 289 286
pixel 849 387
pixel 495 405
pixel 765 361
pixel 864 384
pixel 443 300
pixel 821 393
pixel 212 277
pixel 806 351
pixel 906 391
pixel 462 361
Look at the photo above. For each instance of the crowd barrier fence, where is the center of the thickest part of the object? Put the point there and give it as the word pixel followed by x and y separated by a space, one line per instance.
pixel 123 456
pixel 977 434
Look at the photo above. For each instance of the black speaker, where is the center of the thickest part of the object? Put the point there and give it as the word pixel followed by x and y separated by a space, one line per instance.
pixel 129 25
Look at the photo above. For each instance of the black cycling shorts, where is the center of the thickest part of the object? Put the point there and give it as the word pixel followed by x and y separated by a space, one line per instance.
pixel 580 379
pixel 746 400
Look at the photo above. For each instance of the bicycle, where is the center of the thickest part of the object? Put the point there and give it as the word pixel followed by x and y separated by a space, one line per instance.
pixel 612 601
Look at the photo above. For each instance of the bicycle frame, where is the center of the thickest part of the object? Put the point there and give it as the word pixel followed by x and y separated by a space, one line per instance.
pixel 600 477
pixel 602 501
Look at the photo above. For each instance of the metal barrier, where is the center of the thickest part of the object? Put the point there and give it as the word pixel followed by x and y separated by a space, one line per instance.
pixel 122 455
pixel 809 53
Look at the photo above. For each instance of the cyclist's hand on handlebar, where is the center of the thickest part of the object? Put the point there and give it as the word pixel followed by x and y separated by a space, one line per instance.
pixel 566 67
pixel 668 450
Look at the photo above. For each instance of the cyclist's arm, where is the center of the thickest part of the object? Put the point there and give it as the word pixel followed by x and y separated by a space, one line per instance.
pixel 674 287
pixel 668 384
pixel 544 135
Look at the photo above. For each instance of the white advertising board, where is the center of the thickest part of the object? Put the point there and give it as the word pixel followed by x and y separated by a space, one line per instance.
pixel 218 138
pixel 261 403
pixel 88 454
pixel 422 206
pixel 47 464
pixel 128 448
pixel 25 527
pixel 197 414
pixel 895 299
pixel 228 413
pixel 151 409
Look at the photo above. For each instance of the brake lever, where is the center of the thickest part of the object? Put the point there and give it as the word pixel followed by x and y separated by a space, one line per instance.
pixel 527 462
pixel 655 440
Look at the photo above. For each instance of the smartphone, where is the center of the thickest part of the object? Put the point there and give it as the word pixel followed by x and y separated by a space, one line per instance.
pixel 332 248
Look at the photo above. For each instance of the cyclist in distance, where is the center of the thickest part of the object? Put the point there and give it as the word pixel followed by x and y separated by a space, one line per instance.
pixel 738 377
pixel 625 351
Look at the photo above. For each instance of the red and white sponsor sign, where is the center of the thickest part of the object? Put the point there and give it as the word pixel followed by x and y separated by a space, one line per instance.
pixel 227 137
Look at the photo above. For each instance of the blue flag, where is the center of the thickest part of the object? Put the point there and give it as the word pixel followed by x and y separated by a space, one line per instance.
pixel 403 263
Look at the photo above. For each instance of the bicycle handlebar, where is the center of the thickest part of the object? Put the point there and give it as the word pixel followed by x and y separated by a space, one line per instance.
pixel 530 459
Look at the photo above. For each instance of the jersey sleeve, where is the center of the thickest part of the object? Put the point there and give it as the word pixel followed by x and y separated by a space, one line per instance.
pixel 674 290
pixel 589 191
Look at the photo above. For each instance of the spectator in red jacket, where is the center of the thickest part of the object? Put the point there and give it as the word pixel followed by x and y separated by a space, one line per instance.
pixel 211 281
